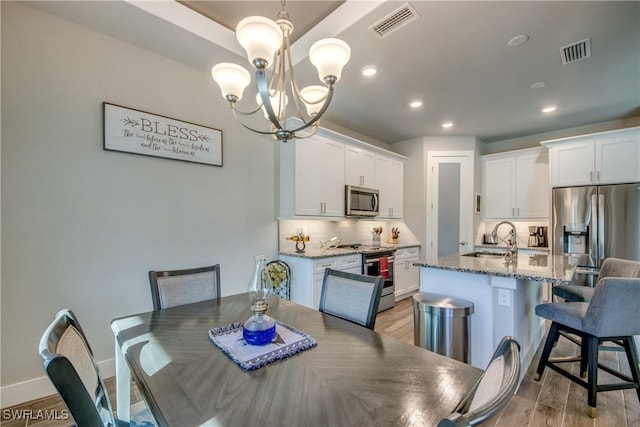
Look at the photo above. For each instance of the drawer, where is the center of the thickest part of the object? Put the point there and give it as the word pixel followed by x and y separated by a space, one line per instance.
pixel 320 265
pixel 349 262
pixel 407 252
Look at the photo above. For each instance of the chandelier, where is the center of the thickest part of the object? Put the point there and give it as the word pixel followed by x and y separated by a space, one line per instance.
pixel 267 45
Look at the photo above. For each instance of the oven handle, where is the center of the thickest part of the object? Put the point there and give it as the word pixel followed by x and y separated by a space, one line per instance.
pixel 370 261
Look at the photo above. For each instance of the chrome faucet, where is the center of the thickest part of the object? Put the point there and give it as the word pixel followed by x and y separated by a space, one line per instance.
pixel 512 243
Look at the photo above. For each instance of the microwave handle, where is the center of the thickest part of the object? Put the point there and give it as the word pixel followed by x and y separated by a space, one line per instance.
pixel 375 203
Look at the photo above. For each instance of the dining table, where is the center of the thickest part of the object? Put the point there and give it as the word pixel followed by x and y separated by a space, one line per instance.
pixel 353 376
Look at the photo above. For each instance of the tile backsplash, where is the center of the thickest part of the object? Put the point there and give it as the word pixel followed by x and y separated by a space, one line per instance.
pixel 348 231
pixel 522 230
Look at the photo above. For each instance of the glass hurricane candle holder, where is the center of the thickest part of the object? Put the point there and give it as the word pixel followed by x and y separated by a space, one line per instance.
pixel 259 329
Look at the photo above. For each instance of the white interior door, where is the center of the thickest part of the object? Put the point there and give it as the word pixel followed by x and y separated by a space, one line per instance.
pixel 449 203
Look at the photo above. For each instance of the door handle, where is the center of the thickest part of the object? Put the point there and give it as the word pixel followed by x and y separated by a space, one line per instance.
pixel 601 230
pixel 462 243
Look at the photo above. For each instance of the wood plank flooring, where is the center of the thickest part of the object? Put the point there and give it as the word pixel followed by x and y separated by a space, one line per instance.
pixel 554 401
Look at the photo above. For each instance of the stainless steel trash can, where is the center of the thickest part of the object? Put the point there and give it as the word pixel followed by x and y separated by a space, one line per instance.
pixel 443 325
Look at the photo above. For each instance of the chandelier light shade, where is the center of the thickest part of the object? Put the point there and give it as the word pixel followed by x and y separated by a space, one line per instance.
pixel 275 101
pixel 268 49
pixel 260 37
pixel 329 56
pixel 312 96
pixel 232 79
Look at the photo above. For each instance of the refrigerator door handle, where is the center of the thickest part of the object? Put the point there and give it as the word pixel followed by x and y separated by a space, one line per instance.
pixel 594 230
pixel 600 219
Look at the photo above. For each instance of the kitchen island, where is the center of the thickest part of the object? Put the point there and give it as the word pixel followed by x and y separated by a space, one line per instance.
pixel 504 296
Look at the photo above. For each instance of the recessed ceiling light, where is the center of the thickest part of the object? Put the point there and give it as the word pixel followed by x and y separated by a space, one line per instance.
pixel 368 70
pixel 537 85
pixel 518 40
pixel 447 125
pixel 549 109
pixel 415 104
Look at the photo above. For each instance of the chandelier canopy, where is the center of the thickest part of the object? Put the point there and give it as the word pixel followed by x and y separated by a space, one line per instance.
pixel 267 45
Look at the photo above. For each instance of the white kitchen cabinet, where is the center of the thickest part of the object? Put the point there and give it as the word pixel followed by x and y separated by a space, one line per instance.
pixel 313 173
pixel 390 182
pixel 406 276
pixel 360 167
pixel 307 275
pixel 312 177
pixel 603 158
pixel 516 184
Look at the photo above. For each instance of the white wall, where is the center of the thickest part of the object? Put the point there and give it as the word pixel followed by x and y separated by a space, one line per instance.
pixel 415 193
pixel 83 226
pixel 531 141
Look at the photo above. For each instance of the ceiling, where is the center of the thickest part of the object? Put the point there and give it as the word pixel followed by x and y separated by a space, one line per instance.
pixel 455 57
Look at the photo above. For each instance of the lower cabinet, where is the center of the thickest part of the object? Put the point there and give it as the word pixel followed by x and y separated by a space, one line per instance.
pixel 307 275
pixel 406 275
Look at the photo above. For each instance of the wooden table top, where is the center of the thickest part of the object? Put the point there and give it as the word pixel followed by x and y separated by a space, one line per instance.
pixel 353 377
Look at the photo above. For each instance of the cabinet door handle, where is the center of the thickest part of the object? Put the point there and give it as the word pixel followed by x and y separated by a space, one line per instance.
pixel 597 176
pixel 513 211
pixel 591 176
pixel 518 211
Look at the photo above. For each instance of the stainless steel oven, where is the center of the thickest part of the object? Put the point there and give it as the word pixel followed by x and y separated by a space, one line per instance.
pixel 379 262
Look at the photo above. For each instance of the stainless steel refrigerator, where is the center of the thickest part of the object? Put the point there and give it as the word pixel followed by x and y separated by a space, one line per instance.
pixel 598 221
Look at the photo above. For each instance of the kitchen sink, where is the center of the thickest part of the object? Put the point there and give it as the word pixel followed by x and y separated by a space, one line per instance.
pixel 486 254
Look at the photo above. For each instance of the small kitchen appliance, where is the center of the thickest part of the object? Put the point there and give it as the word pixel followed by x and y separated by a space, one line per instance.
pixel 537 236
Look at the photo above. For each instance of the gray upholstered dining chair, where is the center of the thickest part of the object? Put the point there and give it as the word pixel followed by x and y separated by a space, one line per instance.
pixel 493 390
pixel 611 267
pixel 177 287
pixel 351 296
pixel 69 363
pixel 611 315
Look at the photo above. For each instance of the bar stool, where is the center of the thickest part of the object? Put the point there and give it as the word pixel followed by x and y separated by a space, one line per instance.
pixel 611 267
pixel 611 315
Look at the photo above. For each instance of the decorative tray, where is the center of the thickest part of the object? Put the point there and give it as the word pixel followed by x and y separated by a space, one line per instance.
pixel 288 341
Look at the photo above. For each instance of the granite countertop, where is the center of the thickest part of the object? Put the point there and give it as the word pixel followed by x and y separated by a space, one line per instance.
pixel 557 269
pixel 541 249
pixel 317 253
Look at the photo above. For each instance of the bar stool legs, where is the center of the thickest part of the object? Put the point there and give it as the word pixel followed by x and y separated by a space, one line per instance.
pixel 589 364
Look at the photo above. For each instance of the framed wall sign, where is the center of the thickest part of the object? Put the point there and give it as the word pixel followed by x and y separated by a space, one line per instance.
pixel 139 132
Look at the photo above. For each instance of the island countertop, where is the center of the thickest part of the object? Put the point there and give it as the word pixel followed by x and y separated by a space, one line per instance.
pixel 556 269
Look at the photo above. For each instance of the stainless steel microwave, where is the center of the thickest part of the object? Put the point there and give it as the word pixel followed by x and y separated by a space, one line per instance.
pixel 361 201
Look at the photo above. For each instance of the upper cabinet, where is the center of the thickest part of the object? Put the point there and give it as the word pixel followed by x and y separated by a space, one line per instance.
pixel 360 167
pixel 390 182
pixel 602 158
pixel 315 170
pixel 312 177
pixel 516 184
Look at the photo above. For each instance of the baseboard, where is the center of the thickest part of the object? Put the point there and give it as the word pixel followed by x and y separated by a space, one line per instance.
pixel 37 388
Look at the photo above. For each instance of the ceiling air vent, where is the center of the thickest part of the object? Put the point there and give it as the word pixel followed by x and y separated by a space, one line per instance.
pixel 576 51
pixel 395 20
